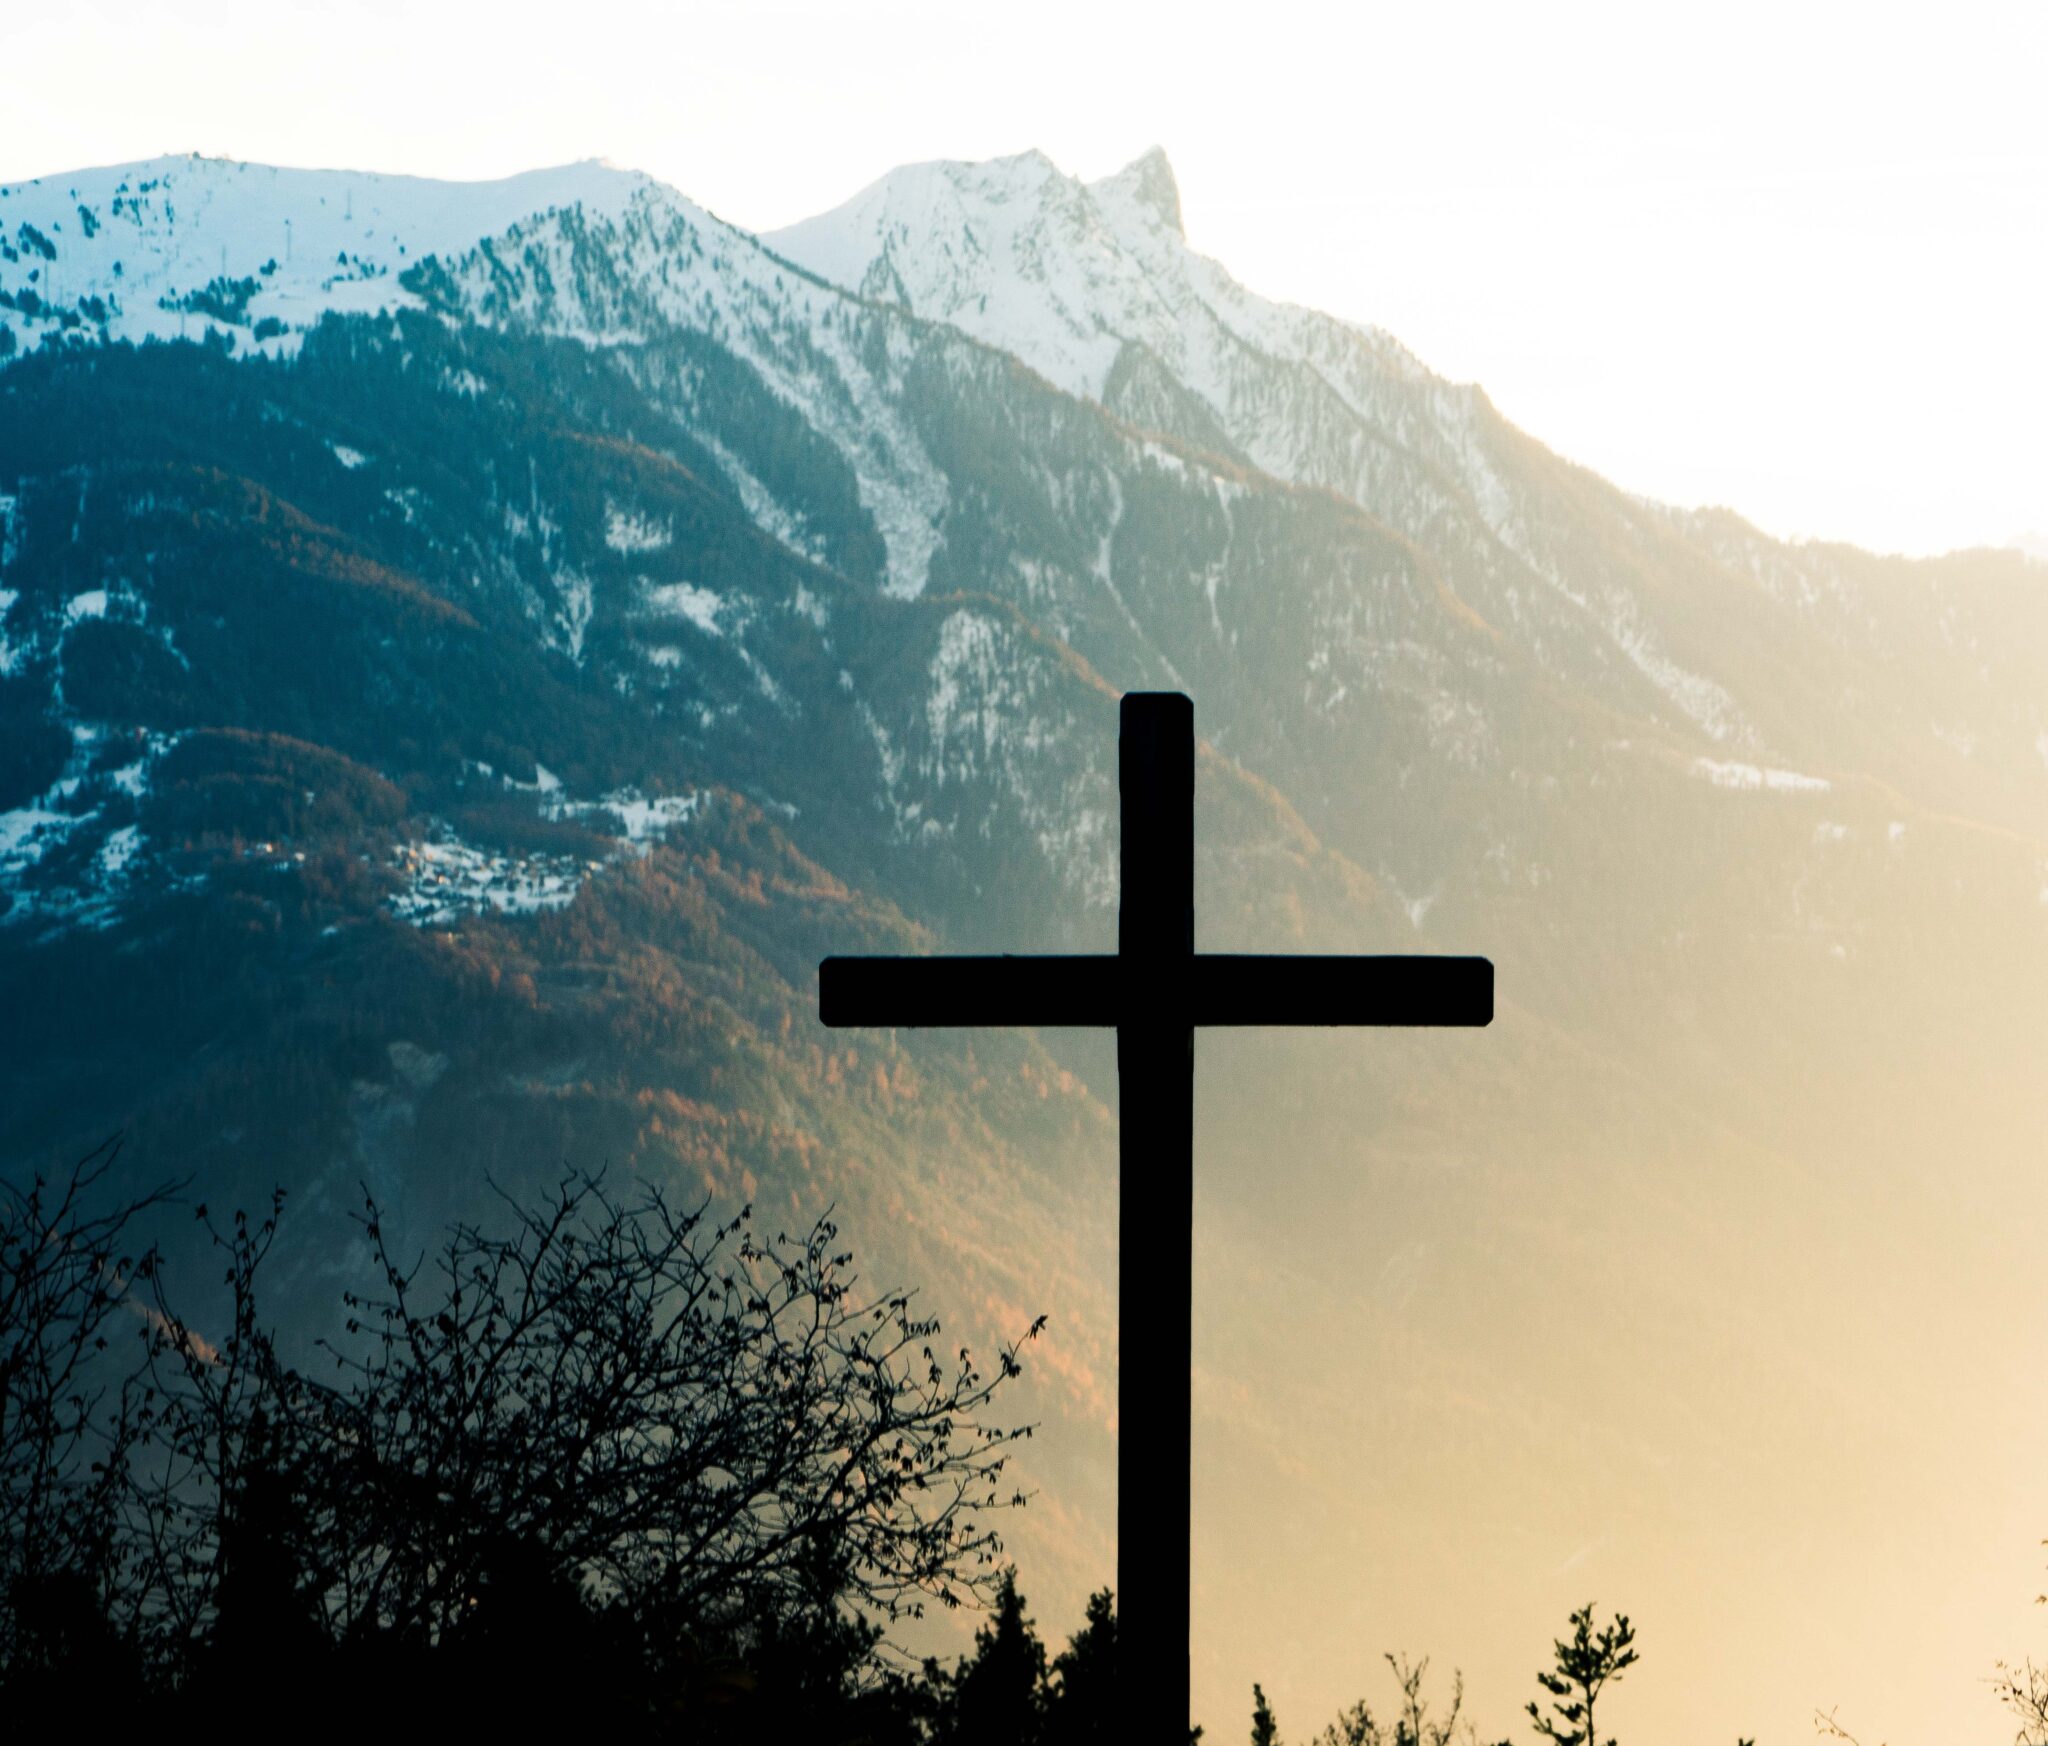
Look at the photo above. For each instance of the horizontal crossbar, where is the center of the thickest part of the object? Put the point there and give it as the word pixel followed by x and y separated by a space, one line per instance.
pixel 1219 989
pixel 1314 990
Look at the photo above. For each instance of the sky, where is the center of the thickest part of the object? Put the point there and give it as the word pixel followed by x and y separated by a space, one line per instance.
pixel 1787 258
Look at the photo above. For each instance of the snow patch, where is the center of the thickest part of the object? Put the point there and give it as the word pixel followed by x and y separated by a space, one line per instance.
pixel 545 781
pixel 629 531
pixel 966 661
pixel 118 850
pixel 445 879
pixel 642 820
pixel 1010 251
pixel 1753 778
pixel 686 600
pixel 577 605
pixel 27 831
pixel 760 504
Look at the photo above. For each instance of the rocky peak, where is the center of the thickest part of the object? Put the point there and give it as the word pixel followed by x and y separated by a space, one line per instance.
pixel 1148 183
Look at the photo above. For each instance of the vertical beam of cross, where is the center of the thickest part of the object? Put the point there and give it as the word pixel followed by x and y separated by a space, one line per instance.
pixel 1155 1057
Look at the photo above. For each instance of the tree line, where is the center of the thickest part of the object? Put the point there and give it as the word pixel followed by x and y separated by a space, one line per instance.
pixel 1583 1664
pixel 603 1460
pixel 600 1462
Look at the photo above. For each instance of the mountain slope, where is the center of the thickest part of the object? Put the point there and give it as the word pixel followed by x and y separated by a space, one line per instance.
pixel 177 247
pixel 439 735
pixel 1721 633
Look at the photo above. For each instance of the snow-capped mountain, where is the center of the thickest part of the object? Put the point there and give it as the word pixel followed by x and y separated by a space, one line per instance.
pixel 1017 254
pixel 1096 286
pixel 180 247
pixel 905 400
pixel 1071 276
pixel 448 704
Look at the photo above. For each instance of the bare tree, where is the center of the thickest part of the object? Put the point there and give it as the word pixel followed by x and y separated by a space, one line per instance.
pixel 205 1498
pixel 72 1407
pixel 1825 1725
pixel 1415 1723
pixel 601 1424
pixel 652 1411
pixel 2024 1691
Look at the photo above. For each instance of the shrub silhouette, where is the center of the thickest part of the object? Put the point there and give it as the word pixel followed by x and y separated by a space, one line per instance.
pixel 1415 1722
pixel 73 1412
pixel 606 1459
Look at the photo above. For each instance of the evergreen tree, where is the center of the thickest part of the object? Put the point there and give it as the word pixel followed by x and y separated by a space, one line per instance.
pixel 999 1695
pixel 1584 1664
pixel 1082 1704
pixel 1265 1731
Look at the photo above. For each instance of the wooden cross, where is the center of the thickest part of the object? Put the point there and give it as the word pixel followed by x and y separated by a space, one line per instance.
pixel 1155 989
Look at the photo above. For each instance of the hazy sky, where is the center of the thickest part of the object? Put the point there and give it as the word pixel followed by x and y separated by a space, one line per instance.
pixel 1791 258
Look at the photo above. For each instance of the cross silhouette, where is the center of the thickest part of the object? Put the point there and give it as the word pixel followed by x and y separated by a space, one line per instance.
pixel 1155 989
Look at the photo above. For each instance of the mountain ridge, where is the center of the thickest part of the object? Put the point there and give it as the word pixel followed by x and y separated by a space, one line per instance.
pixel 439 738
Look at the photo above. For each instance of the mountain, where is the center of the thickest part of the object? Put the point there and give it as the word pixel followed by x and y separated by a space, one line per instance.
pixel 174 247
pixel 1693 619
pixel 450 701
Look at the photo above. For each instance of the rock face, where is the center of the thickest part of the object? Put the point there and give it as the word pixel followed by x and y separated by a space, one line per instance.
pixel 448 705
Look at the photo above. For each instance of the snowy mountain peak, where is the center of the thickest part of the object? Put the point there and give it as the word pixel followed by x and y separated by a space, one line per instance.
pixel 1146 184
pixel 1011 250
pixel 1072 277
pixel 187 245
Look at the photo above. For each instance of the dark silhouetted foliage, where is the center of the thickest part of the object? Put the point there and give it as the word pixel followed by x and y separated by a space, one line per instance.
pixel 607 1463
pixel 1265 1730
pixel 1414 1722
pixel 1083 1702
pixel 1585 1663
pixel 999 1696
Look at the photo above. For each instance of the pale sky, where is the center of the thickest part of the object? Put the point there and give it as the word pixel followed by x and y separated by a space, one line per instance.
pixel 1789 258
